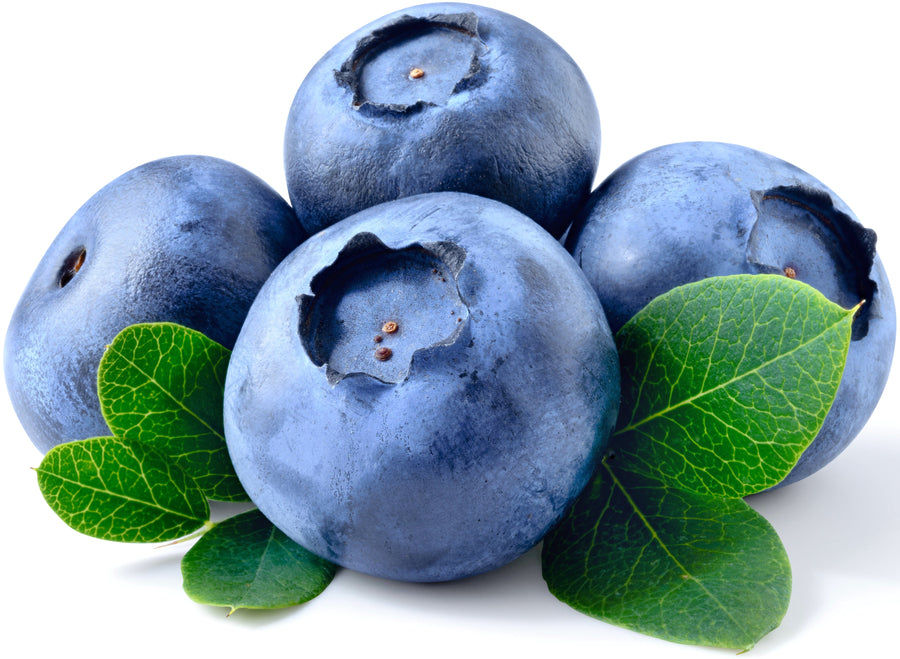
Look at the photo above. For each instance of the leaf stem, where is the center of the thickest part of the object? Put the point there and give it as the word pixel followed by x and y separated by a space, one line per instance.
pixel 208 525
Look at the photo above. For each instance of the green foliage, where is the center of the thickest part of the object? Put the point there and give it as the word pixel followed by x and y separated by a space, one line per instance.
pixel 161 390
pixel 677 565
pixel 245 562
pixel 727 381
pixel 121 490
pixel 724 383
pixel 163 384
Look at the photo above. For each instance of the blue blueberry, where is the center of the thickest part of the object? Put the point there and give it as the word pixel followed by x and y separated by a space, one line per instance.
pixel 684 212
pixel 439 97
pixel 185 239
pixel 420 390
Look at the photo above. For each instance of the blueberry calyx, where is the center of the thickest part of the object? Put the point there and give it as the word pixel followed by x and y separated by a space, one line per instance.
pixel 799 233
pixel 413 63
pixel 374 307
pixel 71 265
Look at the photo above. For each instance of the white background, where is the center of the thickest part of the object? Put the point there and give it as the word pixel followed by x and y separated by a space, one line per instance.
pixel 91 90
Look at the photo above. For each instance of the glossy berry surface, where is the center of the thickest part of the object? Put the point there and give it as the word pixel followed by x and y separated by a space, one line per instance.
pixel 420 390
pixel 187 239
pixel 687 211
pixel 443 96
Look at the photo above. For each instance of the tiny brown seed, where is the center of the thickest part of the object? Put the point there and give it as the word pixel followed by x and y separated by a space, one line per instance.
pixel 389 327
pixel 416 73
pixel 383 353
pixel 378 338
pixel 790 272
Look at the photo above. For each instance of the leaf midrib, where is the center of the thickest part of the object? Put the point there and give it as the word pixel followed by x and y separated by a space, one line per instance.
pixel 659 541
pixel 690 400
pixel 242 601
pixel 118 495
pixel 152 379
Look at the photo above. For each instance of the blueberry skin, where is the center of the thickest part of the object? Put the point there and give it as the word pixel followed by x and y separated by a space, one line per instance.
pixel 186 239
pixel 684 212
pixel 500 111
pixel 457 453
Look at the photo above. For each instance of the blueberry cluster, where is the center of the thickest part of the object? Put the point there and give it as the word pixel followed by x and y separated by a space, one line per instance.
pixel 423 371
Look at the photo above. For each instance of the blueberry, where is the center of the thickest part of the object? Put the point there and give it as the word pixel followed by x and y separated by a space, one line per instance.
pixel 186 239
pixel 443 97
pixel 684 212
pixel 420 390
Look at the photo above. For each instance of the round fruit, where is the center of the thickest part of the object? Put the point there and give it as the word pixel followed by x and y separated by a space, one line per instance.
pixel 420 390
pixel 187 239
pixel 685 212
pixel 443 96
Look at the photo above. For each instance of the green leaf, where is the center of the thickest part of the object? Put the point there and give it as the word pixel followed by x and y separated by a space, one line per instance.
pixel 726 381
pixel 121 490
pixel 163 384
pixel 684 567
pixel 246 563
